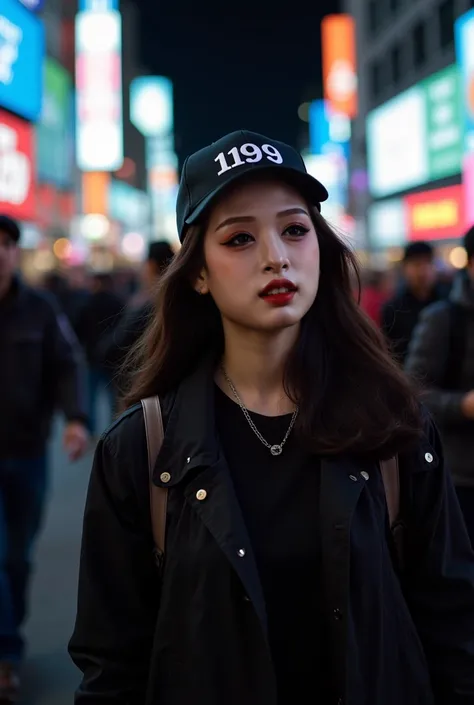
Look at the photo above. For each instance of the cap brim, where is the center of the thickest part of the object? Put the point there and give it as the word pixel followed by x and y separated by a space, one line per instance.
pixel 311 188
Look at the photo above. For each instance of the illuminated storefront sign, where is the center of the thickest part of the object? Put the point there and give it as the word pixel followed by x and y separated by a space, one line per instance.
pixel 387 223
pixel 99 120
pixel 436 215
pixel 339 63
pixel 332 170
pixel 329 132
pixel 151 105
pixel 468 184
pixel 54 130
pixel 17 167
pixel 128 205
pixel 417 137
pixel 464 32
pixel 21 60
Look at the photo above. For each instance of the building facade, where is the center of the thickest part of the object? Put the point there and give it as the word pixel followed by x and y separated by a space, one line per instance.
pixel 400 44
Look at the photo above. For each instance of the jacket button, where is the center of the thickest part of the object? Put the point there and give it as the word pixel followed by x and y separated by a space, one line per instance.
pixel 428 457
pixel 353 478
pixel 337 614
pixel 247 598
pixel 241 552
pixel 165 477
pixel 201 494
pixel 365 475
pixel 188 460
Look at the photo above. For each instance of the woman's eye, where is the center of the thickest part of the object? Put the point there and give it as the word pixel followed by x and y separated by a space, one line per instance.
pixel 296 230
pixel 239 239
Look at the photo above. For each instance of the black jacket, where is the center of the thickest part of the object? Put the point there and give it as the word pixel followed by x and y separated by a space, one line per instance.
pixel 40 370
pixel 400 316
pixel 198 635
pixel 427 361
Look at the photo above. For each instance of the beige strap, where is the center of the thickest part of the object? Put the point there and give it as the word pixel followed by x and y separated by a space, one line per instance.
pixel 391 480
pixel 158 495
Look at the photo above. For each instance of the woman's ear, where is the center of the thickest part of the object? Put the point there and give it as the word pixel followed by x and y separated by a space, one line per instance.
pixel 200 285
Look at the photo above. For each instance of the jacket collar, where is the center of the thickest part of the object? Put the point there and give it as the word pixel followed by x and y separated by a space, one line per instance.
pixel 190 439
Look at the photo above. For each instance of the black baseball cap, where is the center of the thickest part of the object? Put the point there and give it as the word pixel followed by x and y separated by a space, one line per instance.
pixel 10 226
pixel 209 171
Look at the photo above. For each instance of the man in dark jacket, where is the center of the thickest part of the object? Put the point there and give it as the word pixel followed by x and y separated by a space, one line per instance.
pixel 99 315
pixel 400 315
pixel 442 357
pixel 122 339
pixel 39 371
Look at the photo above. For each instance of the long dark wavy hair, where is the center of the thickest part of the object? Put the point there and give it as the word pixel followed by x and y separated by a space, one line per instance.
pixel 353 397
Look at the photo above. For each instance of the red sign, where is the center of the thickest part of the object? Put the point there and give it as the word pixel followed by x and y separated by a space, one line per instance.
pixel 17 168
pixel 436 215
pixel 338 38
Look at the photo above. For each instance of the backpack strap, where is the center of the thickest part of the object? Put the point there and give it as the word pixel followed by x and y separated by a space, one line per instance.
pixel 391 480
pixel 158 495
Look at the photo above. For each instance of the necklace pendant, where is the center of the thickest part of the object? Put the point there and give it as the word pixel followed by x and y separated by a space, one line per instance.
pixel 276 450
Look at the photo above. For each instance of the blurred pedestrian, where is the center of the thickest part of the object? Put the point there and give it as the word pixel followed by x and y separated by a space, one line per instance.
pixel 117 345
pixel 420 289
pixel 40 371
pixel 97 318
pixel 279 398
pixel 70 299
pixel 442 358
pixel 374 294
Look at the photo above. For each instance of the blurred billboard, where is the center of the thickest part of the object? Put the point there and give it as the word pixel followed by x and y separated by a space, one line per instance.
pixel 17 167
pixel 416 137
pixel 21 60
pixel 338 38
pixel 99 120
pixel 464 32
pixel 53 132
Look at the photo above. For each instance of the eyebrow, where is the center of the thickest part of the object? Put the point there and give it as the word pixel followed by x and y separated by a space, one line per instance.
pixel 251 219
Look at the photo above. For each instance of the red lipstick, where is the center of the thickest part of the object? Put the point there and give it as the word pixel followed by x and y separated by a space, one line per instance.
pixel 278 292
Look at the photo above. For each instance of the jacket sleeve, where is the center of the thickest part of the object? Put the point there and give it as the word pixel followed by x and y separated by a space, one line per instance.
pixel 118 587
pixel 427 360
pixel 65 366
pixel 439 585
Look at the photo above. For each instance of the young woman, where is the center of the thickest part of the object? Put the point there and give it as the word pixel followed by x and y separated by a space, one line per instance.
pixel 280 583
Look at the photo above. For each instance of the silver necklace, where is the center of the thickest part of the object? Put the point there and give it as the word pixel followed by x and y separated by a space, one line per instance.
pixel 276 449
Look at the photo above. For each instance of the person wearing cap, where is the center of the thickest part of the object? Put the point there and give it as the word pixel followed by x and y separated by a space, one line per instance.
pixel 441 357
pixel 278 581
pixel 420 288
pixel 116 346
pixel 40 370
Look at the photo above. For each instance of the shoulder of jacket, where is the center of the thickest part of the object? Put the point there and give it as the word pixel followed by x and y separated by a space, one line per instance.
pixel 127 432
pixel 437 312
pixel 39 305
pixel 39 297
pixel 124 426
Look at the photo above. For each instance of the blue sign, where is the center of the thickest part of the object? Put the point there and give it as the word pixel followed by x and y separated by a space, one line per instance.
pixel 98 5
pixel 464 34
pixel 33 5
pixel 21 60
pixel 329 133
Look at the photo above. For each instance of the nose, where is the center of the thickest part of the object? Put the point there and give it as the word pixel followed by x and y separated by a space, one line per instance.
pixel 274 254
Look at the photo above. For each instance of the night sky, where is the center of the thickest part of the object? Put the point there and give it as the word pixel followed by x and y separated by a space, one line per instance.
pixel 244 67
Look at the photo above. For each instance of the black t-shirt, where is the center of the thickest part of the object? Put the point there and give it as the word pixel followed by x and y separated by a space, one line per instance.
pixel 279 498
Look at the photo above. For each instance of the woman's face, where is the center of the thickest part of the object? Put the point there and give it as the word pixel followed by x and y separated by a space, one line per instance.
pixel 262 257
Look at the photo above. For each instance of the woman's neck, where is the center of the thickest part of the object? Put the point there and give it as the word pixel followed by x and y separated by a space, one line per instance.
pixel 255 364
